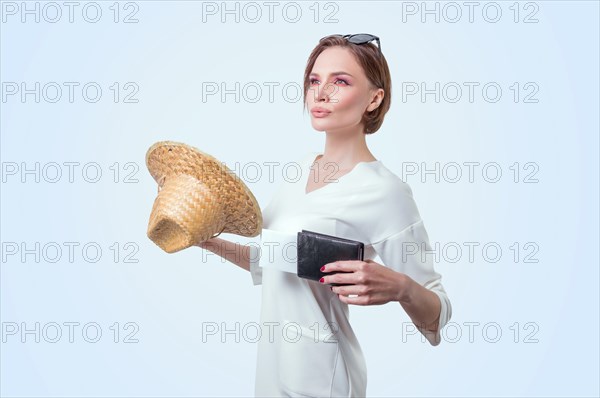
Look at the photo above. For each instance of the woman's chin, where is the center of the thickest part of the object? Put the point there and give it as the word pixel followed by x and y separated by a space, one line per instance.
pixel 319 126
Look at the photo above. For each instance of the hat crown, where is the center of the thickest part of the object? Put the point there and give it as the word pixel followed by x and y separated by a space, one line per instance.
pixel 184 213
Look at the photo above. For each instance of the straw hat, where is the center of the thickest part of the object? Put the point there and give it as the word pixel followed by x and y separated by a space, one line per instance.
pixel 198 198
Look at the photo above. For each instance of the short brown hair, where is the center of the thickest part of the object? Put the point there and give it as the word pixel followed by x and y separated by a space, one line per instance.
pixel 373 64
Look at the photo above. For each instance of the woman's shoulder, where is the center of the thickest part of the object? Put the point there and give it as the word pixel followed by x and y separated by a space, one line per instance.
pixel 379 176
pixel 387 196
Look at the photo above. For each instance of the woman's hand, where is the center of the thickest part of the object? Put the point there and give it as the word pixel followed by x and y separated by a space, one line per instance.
pixel 376 284
pixel 372 282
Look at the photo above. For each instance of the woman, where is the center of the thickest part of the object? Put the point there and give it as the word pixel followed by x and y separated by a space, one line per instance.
pixel 345 192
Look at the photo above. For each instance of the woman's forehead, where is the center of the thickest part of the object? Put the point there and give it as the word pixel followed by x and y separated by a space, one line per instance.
pixel 336 59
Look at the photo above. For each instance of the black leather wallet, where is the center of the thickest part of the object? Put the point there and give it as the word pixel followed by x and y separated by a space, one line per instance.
pixel 316 249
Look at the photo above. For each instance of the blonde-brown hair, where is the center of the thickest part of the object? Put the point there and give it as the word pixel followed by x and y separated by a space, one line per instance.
pixel 375 68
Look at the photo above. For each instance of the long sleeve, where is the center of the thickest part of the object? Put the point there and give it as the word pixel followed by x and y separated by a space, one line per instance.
pixel 409 252
pixel 255 269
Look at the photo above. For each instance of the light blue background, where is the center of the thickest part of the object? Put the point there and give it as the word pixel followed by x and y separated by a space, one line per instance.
pixel 169 53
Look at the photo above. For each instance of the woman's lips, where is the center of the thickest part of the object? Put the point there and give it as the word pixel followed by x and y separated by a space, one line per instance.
pixel 320 113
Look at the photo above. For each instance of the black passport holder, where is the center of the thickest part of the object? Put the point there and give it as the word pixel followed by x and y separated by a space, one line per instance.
pixel 316 249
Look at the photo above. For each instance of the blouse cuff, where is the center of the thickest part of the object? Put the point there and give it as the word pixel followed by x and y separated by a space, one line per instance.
pixel 434 338
pixel 255 269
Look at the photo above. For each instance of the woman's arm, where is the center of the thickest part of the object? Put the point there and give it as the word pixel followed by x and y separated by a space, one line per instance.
pixel 234 252
pixel 421 304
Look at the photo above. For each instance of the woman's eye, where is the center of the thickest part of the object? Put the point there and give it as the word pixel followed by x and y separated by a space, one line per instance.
pixel 313 81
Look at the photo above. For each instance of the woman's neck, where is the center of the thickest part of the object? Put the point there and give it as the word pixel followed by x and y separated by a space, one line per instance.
pixel 346 149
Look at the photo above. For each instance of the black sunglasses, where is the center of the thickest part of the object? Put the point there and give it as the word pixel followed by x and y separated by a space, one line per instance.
pixel 359 38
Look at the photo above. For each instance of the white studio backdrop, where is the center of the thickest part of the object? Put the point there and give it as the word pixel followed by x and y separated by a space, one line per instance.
pixel 493 124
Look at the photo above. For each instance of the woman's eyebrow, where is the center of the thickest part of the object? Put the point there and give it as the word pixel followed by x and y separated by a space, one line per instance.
pixel 334 74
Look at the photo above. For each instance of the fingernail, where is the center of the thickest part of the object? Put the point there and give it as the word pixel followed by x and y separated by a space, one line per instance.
pixel 322 280
pixel 322 268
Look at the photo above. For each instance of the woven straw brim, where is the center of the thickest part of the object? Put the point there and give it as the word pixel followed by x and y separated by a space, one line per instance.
pixel 199 196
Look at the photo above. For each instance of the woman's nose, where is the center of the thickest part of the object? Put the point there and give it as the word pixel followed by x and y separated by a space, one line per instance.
pixel 323 93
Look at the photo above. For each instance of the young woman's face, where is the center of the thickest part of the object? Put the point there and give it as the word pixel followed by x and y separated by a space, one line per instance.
pixel 339 85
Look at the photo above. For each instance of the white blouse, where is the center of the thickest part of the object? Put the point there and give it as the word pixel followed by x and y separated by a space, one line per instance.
pixel 307 346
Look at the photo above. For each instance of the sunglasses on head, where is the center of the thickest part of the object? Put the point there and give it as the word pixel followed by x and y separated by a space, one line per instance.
pixel 359 38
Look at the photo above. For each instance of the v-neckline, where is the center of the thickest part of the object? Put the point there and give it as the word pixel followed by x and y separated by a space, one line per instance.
pixel 338 179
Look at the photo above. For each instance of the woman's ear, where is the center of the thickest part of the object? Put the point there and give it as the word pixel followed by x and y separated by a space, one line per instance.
pixel 376 100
